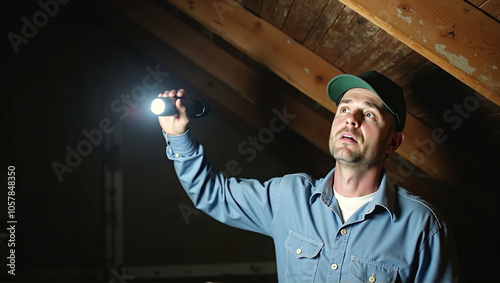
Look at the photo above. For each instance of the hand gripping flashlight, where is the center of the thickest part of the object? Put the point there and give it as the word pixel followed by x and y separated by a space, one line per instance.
pixel 165 106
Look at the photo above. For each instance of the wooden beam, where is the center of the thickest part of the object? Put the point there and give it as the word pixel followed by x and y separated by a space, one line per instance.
pixel 221 79
pixel 453 34
pixel 267 45
pixel 309 73
pixel 492 8
pixel 188 42
pixel 309 124
pixel 178 35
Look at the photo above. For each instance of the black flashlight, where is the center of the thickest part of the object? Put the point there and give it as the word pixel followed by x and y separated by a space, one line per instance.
pixel 165 106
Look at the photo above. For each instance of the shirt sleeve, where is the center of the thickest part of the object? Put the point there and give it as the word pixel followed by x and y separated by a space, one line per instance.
pixel 242 203
pixel 438 260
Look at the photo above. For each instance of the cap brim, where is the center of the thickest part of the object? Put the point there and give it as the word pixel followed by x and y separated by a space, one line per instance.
pixel 342 83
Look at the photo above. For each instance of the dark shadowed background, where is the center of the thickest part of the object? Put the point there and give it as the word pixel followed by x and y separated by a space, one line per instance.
pixel 95 198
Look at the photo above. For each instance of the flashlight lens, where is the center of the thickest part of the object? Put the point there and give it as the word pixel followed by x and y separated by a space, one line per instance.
pixel 158 106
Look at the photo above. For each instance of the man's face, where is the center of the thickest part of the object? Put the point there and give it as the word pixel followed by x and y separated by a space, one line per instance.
pixel 362 129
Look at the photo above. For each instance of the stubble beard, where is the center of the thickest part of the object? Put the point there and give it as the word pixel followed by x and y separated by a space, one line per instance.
pixel 345 154
pixel 354 157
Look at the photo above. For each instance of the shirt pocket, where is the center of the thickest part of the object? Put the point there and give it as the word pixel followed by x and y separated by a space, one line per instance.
pixel 302 257
pixel 364 270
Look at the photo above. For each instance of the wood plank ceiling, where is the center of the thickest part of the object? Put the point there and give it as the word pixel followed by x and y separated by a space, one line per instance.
pixel 306 42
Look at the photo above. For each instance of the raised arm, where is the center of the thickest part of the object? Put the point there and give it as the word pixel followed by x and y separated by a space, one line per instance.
pixel 247 204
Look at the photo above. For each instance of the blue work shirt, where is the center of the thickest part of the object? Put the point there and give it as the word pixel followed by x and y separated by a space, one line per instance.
pixel 396 237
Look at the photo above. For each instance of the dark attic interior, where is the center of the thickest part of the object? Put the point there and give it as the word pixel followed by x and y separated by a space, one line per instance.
pixel 95 199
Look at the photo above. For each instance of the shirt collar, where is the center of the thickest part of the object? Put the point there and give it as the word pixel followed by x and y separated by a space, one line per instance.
pixel 324 189
pixel 385 195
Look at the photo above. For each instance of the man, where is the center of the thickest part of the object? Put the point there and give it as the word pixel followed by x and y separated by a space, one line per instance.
pixel 352 225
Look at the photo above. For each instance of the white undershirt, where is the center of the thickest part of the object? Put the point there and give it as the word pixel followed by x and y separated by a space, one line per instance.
pixel 349 205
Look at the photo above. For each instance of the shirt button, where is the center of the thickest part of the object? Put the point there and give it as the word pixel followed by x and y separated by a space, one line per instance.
pixel 372 279
pixel 334 266
pixel 343 231
pixel 299 251
pixel 176 155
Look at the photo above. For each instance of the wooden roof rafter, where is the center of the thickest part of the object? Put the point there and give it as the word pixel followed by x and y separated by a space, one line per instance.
pixel 221 84
pixel 453 34
pixel 306 71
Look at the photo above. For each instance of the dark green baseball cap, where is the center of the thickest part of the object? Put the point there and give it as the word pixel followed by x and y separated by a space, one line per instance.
pixel 389 92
